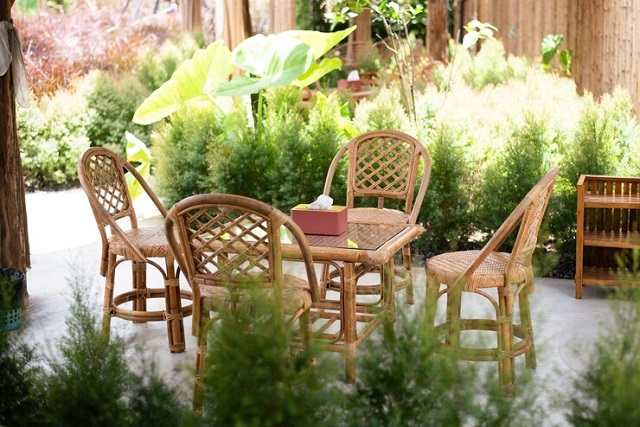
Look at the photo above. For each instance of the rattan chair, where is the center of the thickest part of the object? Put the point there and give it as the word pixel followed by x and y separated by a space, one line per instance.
pixel 476 272
pixel 223 241
pixel 103 176
pixel 384 165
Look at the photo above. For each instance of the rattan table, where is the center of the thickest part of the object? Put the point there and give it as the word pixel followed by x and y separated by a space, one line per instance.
pixel 336 321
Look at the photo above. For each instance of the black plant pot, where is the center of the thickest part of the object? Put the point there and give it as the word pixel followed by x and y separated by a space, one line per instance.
pixel 12 292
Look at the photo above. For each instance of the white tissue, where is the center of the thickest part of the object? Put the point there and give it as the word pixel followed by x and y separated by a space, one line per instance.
pixel 322 202
pixel 353 76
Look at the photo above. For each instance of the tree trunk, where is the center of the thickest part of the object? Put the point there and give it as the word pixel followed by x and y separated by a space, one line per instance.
pixel 191 15
pixel 14 240
pixel 282 15
pixel 438 31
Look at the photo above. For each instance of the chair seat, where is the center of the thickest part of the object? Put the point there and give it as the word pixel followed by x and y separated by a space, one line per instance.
pixel 447 268
pixel 151 241
pixel 295 295
pixel 377 216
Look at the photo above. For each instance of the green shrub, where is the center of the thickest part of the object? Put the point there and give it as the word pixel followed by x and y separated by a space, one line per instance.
pixel 306 151
pixel 184 149
pixel 243 163
pixel 445 211
pixel 517 168
pixel 384 111
pixel 606 393
pixel 52 136
pixel 157 65
pixel 489 66
pixel 253 378
pixel 95 382
pixel 19 383
pixel 592 150
pixel 112 103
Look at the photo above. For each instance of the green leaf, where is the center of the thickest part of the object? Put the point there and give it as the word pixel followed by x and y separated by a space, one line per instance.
pixel 274 60
pixel 317 71
pixel 470 39
pixel 137 152
pixel 193 81
pixel 319 42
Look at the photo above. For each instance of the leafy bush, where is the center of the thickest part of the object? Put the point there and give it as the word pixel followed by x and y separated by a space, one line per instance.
pixel 184 150
pixel 403 381
pixel 489 66
pixel 112 102
pixel 306 151
pixel 253 378
pixel 606 141
pixel 445 211
pixel 93 382
pixel 157 65
pixel 518 167
pixel 385 111
pixel 606 392
pixel 52 134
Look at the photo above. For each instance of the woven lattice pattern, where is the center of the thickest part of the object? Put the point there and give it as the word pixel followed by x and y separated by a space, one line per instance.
pixel 382 164
pixel 108 183
pixel 228 243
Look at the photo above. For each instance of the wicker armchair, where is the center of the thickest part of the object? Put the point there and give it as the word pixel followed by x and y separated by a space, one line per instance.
pixel 384 165
pixel 510 273
pixel 223 241
pixel 103 176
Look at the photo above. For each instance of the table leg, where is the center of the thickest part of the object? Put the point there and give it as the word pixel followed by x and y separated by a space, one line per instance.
pixel 349 318
pixel 173 313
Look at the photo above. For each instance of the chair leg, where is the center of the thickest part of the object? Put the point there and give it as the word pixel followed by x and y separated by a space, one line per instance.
pixel 525 318
pixel 201 356
pixel 324 280
pixel 139 273
pixel 431 305
pixel 107 310
pixel 506 365
pixel 406 259
pixel 454 302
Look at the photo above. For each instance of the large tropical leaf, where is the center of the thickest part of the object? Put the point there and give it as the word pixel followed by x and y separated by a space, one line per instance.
pixel 193 81
pixel 317 71
pixel 319 42
pixel 137 152
pixel 273 60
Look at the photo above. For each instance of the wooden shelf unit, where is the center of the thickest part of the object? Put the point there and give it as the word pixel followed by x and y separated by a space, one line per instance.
pixel 608 222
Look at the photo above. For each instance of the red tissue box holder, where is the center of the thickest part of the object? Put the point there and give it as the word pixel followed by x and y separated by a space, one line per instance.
pixel 330 222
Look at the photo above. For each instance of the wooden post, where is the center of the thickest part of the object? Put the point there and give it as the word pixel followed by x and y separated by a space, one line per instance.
pixel 282 15
pixel 14 240
pixel 438 31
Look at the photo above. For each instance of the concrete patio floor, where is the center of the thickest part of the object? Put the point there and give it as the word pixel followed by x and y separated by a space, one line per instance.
pixel 65 244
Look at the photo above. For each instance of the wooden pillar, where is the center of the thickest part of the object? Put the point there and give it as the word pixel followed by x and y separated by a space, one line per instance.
pixel 282 15
pixel 360 40
pixel 438 31
pixel 191 15
pixel 231 25
pixel 14 239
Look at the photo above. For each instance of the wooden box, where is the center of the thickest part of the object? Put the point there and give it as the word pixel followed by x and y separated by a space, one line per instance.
pixel 329 222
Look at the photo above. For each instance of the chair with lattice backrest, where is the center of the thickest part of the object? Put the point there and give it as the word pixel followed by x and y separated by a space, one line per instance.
pixel 103 176
pixel 225 242
pixel 384 165
pixel 511 273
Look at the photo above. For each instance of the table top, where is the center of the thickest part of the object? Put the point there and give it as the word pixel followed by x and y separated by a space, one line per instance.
pixel 360 243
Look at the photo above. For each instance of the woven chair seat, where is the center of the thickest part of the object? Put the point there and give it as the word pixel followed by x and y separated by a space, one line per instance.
pixel 151 241
pixel 295 295
pixel 377 216
pixel 447 268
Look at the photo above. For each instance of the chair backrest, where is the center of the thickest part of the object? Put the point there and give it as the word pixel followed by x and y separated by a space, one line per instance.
pixel 384 164
pixel 102 175
pixel 529 214
pixel 225 239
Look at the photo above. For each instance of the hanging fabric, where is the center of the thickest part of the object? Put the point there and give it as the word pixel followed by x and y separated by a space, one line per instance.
pixel 11 55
